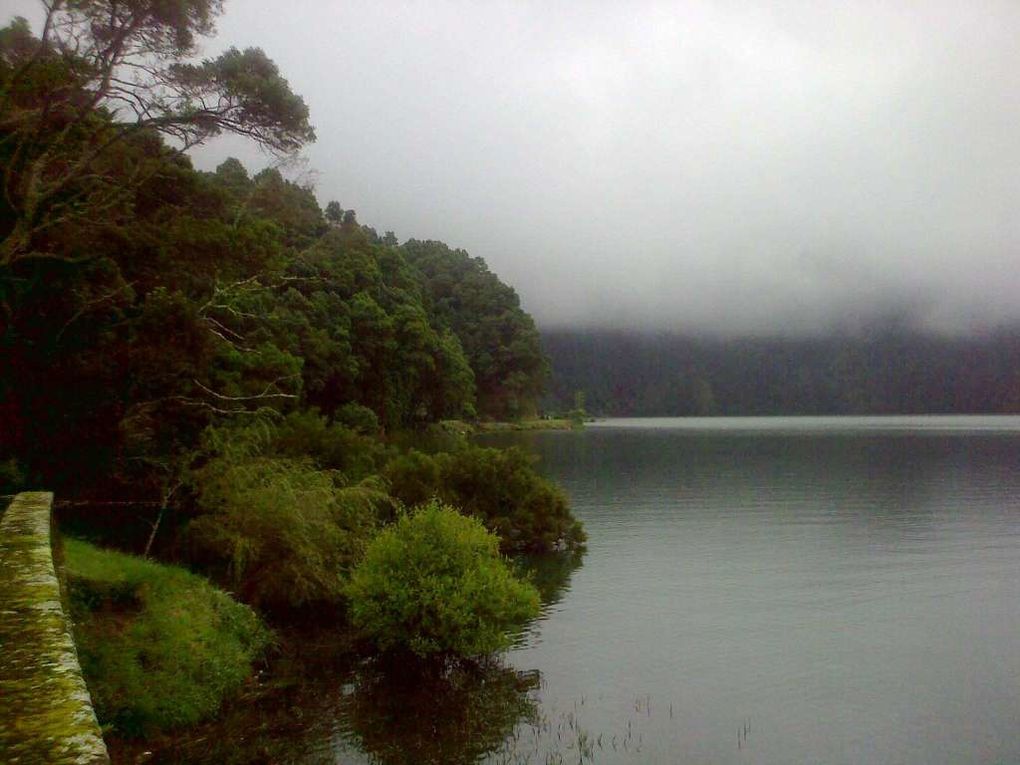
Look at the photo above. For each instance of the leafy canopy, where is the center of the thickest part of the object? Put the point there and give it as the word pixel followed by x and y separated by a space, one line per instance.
pixel 104 73
pixel 499 339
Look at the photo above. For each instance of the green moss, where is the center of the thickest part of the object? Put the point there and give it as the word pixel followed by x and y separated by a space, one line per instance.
pixel 45 714
pixel 159 646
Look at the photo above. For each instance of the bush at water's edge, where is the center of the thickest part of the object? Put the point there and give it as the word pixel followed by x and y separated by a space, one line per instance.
pixel 434 584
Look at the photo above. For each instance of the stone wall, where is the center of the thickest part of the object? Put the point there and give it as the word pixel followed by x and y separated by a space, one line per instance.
pixel 46 713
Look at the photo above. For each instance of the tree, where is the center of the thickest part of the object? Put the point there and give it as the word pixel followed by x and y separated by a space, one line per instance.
pixel 232 174
pixel 434 584
pixel 499 339
pixel 334 213
pixel 103 73
pixel 355 311
pixel 578 414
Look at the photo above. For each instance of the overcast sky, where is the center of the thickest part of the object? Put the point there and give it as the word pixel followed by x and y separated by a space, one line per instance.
pixel 744 166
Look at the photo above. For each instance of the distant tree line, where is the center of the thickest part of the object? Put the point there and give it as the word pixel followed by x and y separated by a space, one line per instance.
pixel 891 371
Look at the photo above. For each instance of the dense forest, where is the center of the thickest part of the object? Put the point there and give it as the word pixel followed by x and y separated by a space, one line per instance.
pixel 211 370
pixel 143 301
pixel 890 371
pixel 214 294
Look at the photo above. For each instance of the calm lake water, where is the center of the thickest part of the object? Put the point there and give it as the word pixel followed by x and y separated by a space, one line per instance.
pixel 847 590
pixel 780 590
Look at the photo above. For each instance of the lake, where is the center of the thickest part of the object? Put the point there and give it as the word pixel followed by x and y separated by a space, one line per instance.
pixel 842 589
pixel 776 590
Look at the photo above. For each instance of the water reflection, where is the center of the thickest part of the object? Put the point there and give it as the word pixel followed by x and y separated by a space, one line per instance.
pixel 399 713
pixel 319 703
pixel 852 591
pixel 288 715
pixel 405 715
pixel 387 713
pixel 551 574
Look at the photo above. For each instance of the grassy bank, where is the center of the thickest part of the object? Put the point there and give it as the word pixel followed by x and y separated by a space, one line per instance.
pixel 159 646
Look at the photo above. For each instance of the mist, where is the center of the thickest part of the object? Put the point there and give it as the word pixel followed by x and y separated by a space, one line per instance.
pixel 733 167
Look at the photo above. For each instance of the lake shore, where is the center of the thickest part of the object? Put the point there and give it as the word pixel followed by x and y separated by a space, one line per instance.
pixel 471 428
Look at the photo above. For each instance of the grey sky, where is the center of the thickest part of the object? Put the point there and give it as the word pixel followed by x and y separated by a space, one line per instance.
pixel 751 166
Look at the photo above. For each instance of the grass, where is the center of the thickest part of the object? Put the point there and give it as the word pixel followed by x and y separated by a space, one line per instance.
pixel 159 646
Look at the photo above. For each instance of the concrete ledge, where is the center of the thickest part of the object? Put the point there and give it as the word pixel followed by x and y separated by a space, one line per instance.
pixel 46 713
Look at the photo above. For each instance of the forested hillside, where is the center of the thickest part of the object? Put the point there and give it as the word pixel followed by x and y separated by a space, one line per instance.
pixel 883 372
pixel 217 370
pixel 143 300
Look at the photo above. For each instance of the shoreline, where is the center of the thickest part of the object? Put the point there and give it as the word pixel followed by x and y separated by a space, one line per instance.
pixel 474 428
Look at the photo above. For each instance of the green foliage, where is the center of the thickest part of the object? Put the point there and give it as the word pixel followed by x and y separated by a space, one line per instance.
pixel 332 446
pixel 197 297
pixel 215 343
pixel 293 208
pixel 414 477
pixel 499 487
pixel 446 436
pixel 499 339
pixel 253 100
pixel 283 533
pixel 334 213
pixel 358 418
pixel 160 647
pixel 434 584
pixel 355 310
pixel 70 108
pixel 578 414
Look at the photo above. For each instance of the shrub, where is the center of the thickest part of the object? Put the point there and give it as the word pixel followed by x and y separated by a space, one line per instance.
pixel 283 534
pixel 413 477
pixel 434 584
pixel 430 439
pixel 358 418
pixel 499 487
pixel 159 646
pixel 332 446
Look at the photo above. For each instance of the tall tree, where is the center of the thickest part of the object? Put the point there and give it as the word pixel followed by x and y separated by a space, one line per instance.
pixel 101 73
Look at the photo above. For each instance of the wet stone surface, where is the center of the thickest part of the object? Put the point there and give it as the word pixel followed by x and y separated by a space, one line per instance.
pixel 46 713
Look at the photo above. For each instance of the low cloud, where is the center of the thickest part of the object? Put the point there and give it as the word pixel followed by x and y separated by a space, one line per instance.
pixel 731 167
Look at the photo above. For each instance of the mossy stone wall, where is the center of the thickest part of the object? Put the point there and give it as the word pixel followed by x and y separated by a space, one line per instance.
pixel 46 713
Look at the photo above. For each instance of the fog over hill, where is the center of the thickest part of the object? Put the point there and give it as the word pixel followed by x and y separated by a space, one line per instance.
pixel 736 167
